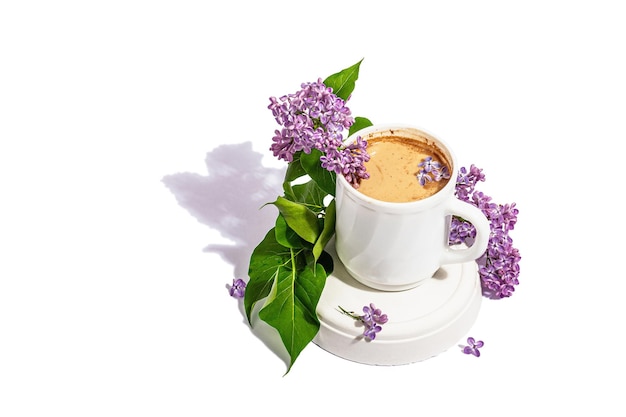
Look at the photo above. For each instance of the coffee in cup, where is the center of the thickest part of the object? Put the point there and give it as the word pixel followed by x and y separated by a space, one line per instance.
pixel 391 233
pixel 394 168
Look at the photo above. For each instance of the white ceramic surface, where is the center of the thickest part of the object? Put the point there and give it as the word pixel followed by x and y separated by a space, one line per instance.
pixel 397 246
pixel 423 321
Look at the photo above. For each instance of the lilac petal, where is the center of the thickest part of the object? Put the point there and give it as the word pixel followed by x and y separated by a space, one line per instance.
pixel 479 344
pixel 471 341
pixel 468 349
pixel 370 332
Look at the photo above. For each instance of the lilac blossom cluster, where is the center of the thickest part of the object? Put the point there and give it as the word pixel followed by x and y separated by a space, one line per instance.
pixel 431 170
pixel 372 319
pixel 498 267
pixel 315 118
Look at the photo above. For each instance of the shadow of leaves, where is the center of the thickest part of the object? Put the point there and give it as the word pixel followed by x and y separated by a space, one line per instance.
pixel 230 199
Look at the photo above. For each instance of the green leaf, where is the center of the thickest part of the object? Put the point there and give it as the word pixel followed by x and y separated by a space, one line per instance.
pixel 324 178
pixel 294 168
pixel 310 194
pixel 289 267
pixel 269 261
pixel 300 218
pixel 343 82
pixel 292 308
pixel 359 123
pixel 327 232
pixel 285 235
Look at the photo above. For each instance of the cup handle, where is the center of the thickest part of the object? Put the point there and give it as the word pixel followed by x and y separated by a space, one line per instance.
pixel 483 230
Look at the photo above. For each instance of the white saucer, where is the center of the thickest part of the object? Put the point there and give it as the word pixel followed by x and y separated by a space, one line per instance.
pixel 423 321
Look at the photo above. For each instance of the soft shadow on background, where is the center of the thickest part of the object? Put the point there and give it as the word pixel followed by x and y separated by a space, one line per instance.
pixel 230 199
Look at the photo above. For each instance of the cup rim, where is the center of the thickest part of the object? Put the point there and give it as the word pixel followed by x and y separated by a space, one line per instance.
pixel 428 201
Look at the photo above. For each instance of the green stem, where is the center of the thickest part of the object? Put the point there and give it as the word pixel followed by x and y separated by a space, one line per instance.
pixel 349 313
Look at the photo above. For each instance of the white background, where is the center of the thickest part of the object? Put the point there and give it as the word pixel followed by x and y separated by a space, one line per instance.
pixel 134 156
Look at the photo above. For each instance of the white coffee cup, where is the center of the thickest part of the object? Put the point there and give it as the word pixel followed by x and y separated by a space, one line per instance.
pixel 397 246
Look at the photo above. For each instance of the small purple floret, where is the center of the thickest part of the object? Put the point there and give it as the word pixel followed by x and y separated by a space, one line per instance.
pixel 372 316
pixel 431 170
pixel 370 331
pixel 238 288
pixel 372 319
pixel 473 346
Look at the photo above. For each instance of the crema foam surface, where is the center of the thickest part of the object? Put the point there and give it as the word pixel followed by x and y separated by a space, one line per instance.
pixel 393 168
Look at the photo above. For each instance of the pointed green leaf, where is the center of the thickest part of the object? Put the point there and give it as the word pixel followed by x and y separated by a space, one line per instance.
pixel 285 234
pixel 310 194
pixel 324 178
pixel 294 168
pixel 292 309
pixel 359 123
pixel 300 218
pixel 269 261
pixel 343 82
pixel 288 191
pixel 327 232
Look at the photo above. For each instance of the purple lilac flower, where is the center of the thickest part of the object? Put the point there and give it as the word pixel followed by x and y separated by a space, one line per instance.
pixel 442 173
pixel 370 331
pixel 372 315
pixel 466 181
pixel 473 346
pixel 315 118
pixel 348 161
pixel 423 178
pixel 372 319
pixel 498 267
pixel 428 164
pixel 238 288
pixel 431 170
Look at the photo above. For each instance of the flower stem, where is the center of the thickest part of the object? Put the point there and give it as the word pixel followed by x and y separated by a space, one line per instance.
pixel 349 313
